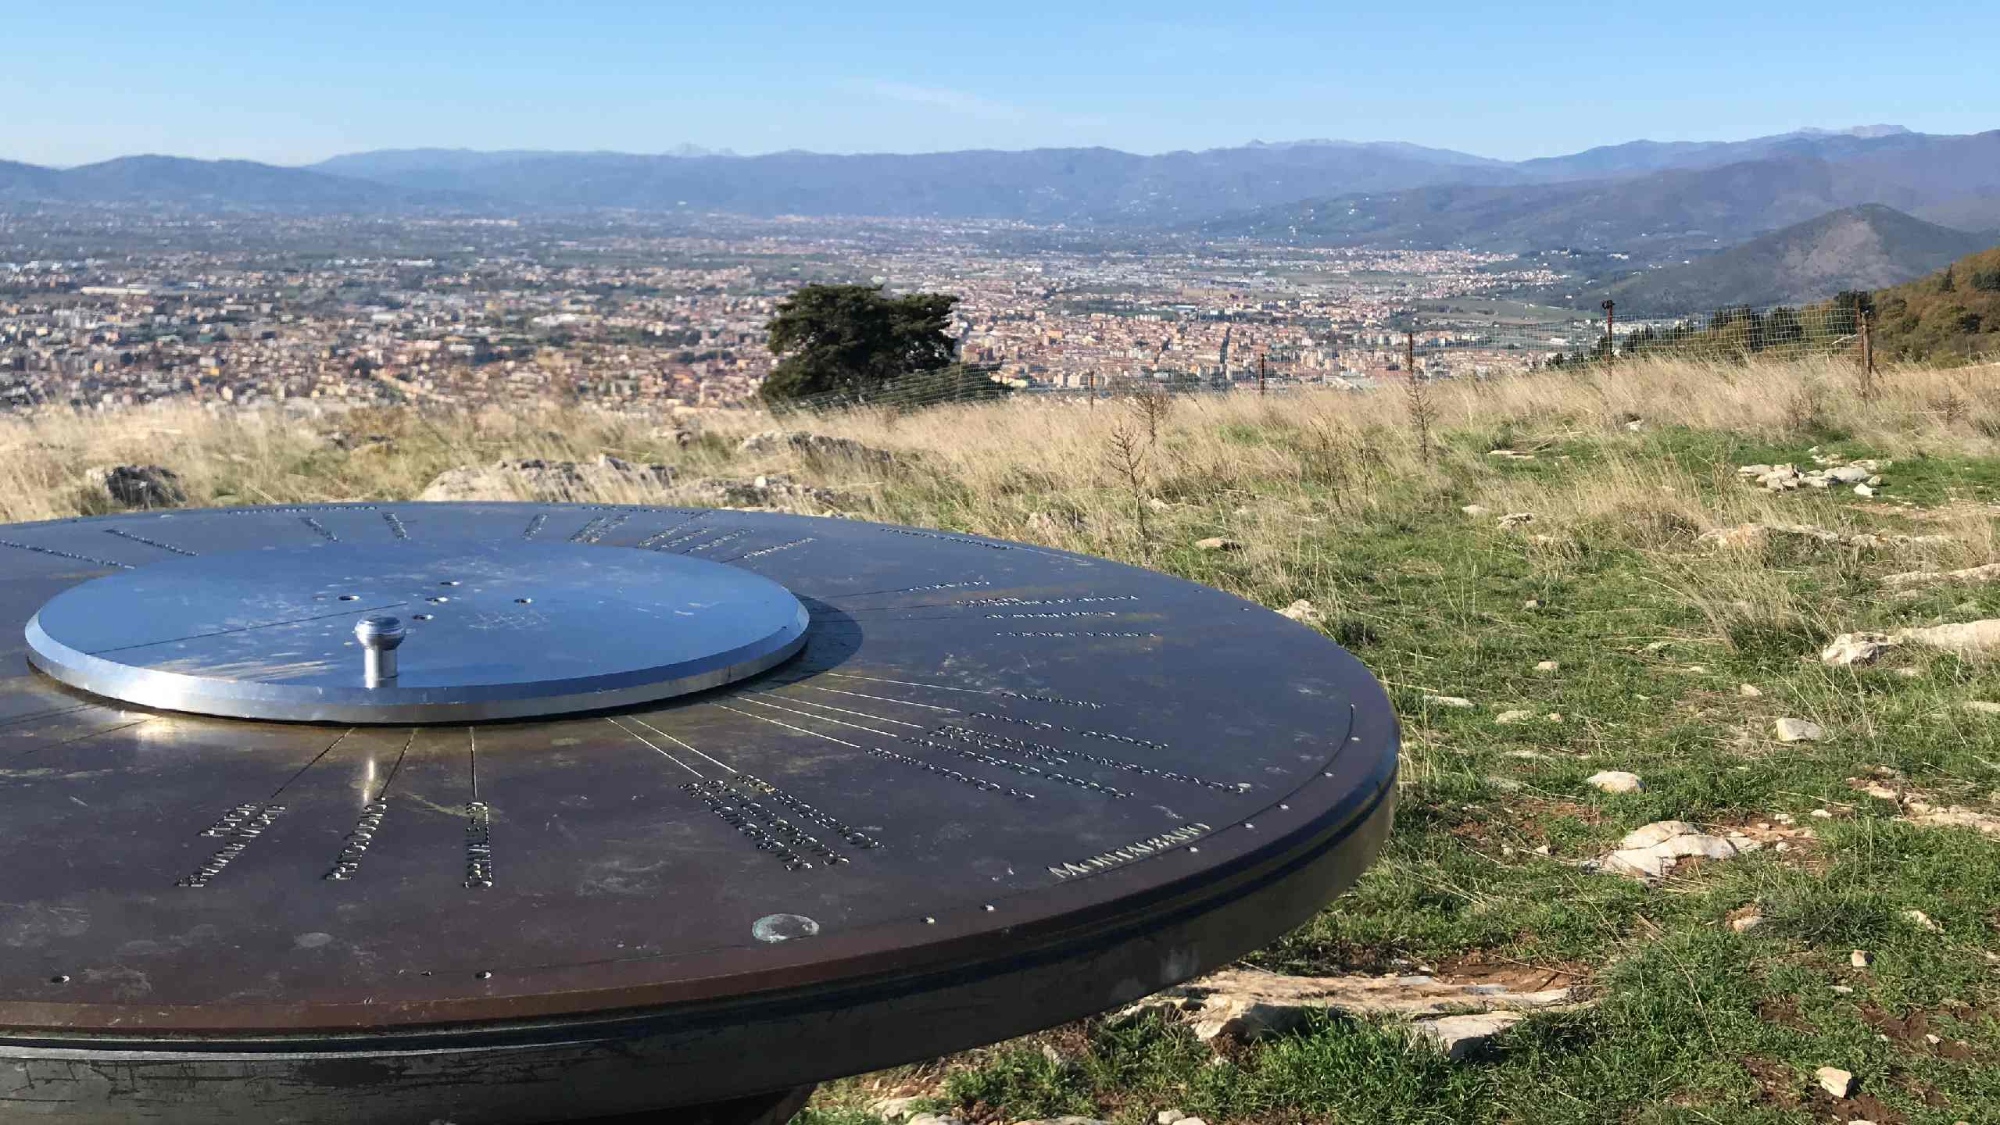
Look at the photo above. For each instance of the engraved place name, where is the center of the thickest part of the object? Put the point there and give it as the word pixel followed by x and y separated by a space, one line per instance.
pixel 599 527
pixel 241 825
pixel 1092 600
pixel 1051 614
pixel 787 842
pixel 289 509
pixel 64 554
pixel 356 845
pixel 947 539
pixel 1019 767
pixel 319 529
pixel 1078 731
pixel 478 845
pixel 663 542
pixel 123 534
pixel 978 783
pixel 776 549
pixel 1043 752
pixel 1073 636
pixel 1131 853
pixel 846 831
pixel 1057 700
pixel 718 541
pixel 396 527
pixel 535 526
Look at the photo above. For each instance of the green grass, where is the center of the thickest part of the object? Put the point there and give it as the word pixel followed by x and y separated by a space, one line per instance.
pixel 1688 1021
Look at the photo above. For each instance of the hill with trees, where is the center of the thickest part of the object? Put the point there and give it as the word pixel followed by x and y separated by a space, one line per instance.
pixel 1951 314
pixel 1866 247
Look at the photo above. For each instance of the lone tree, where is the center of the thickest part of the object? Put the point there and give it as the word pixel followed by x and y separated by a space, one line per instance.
pixel 854 338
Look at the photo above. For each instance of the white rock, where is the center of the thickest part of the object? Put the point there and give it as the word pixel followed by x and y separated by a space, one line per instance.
pixel 1848 474
pixel 1849 649
pixel 1217 543
pixel 1971 640
pixel 1301 611
pixel 1547 666
pixel 1798 730
pixel 1476 510
pixel 1860 958
pixel 1863 490
pixel 934 1119
pixel 1835 1081
pixel 1922 921
pixel 1511 717
pixel 1615 781
pixel 1516 519
pixel 1821 814
pixel 1981 707
pixel 1461 1037
pixel 1754 470
pixel 1448 701
pixel 1169 1117
pixel 1746 923
pixel 1657 832
pixel 1749 691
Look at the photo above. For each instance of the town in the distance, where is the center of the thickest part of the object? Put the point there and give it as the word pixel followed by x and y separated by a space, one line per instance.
pixel 325 287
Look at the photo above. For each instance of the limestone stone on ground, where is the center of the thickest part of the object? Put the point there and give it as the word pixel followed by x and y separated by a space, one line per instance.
pixel 547 481
pixel 1652 852
pixel 1509 718
pixel 1300 611
pixel 1515 519
pixel 1835 1081
pixel 1969 640
pixel 1244 1004
pixel 1615 781
pixel 1476 510
pixel 1798 730
pixel 1547 666
pixel 1457 701
pixel 1981 707
pixel 813 445
pixel 1749 691
pixel 1218 543
pixel 1922 921
pixel 1462 1037
pixel 1849 649
pixel 136 486
pixel 1985 573
pixel 895 1109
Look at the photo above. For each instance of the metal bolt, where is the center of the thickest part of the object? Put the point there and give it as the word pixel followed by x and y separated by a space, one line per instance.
pixel 379 637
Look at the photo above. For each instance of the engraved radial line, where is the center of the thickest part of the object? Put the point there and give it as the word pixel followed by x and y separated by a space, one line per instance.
pixel 472 760
pixel 311 764
pixel 655 749
pixel 683 745
pixel 398 767
pixel 246 629
pixel 788 726
pixel 910 683
pixel 831 707
pixel 884 699
pixel 821 718
pixel 86 737
pixel 51 714
pixel 64 554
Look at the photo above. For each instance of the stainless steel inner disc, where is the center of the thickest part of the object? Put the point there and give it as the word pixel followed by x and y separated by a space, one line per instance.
pixel 487 631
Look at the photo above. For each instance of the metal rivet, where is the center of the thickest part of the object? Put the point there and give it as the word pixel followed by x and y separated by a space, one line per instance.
pixel 524 601
pixel 449 582
pixel 59 978
pixel 1192 848
pixel 420 616
pixel 929 921
pixel 1247 824
pixel 990 908
pixel 1283 806
pixel 350 597
pixel 484 974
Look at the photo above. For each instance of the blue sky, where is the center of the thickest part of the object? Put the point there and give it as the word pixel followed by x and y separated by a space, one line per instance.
pixel 296 82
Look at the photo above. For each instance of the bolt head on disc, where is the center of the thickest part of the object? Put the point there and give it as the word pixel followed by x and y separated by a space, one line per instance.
pixel 490 631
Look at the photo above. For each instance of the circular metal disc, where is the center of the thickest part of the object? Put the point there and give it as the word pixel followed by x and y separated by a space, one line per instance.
pixel 999 788
pixel 496 630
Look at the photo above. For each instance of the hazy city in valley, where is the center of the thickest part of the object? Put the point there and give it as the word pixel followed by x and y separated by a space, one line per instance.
pixel 884 563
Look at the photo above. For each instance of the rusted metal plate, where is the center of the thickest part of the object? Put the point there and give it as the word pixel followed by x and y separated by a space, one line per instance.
pixel 1000 787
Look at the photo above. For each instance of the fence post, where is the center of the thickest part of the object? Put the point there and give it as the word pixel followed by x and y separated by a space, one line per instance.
pixel 1610 333
pixel 1409 354
pixel 1260 374
pixel 1867 355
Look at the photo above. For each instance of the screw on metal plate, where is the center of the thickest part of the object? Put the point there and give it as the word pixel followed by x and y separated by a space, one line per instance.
pixel 379 637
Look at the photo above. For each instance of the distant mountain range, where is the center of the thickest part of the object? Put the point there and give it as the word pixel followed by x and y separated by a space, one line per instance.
pixel 1259 185
pixel 1645 204
pixel 1867 247
pixel 1664 214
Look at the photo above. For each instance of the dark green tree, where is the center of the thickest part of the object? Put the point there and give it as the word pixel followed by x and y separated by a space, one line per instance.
pixel 855 338
pixel 1949 282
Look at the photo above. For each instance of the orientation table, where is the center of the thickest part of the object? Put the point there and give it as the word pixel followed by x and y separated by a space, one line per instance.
pixel 523 813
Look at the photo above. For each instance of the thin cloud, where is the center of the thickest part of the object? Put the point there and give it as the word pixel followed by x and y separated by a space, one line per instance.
pixel 951 101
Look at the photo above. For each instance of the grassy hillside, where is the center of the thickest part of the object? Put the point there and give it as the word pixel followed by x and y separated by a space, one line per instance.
pixel 1625 640
pixel 1951 314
